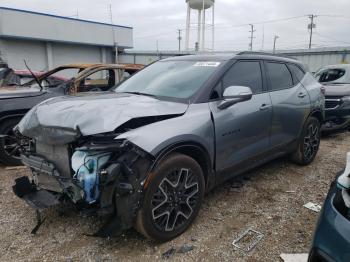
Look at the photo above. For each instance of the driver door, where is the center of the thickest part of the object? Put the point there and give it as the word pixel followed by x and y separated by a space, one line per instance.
pixel 242 130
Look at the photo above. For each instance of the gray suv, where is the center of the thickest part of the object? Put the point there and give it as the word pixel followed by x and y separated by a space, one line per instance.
pixel 145 153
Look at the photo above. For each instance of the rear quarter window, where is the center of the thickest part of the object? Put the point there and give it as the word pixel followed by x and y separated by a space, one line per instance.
pixel 297 73
pixel 279 76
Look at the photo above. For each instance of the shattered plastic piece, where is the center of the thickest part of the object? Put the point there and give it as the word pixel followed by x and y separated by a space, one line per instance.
pixel 248 240
pixel 185 248
pixel 302 257
pixel 313 206
pixel 169 253
pixel 343 181
pixel 346 197
pixel 15 167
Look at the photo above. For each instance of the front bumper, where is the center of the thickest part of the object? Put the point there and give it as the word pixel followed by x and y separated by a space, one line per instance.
pixel 37 199
pixel 336 124
pixel 337 118
pixel 332 235
pixel 120 183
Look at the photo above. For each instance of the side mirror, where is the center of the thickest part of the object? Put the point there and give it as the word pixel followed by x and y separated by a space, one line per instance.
pixel 235 94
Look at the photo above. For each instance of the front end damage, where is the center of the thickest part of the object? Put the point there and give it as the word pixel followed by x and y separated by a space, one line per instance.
pixel 98 174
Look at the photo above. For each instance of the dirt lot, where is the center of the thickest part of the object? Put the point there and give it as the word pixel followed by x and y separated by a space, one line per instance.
pixel 269 199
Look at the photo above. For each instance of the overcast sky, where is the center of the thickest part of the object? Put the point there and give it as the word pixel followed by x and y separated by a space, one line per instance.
pixel 158 20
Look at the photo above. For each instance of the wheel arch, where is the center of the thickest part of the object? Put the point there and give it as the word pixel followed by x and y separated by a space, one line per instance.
pixel 11 115
pixel 317 114
pixel 194 150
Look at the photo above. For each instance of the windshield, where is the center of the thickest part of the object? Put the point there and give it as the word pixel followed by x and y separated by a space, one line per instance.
pixel 175 79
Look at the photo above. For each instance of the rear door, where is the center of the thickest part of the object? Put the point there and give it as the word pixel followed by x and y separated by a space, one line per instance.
pixel 242 130
pixel 290 103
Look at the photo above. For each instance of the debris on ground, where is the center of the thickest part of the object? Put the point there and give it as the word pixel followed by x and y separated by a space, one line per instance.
pixel 313 206
pixel 185 248
pixel 302 257
pixel 262 204
pixel 15 167
pixel 169 253
pixel 248 240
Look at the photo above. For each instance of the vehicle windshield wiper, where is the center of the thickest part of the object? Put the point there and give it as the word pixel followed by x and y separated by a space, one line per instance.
pixel 139 93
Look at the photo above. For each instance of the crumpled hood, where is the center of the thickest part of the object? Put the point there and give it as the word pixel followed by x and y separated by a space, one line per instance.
pixel 337 89
pixel 91 114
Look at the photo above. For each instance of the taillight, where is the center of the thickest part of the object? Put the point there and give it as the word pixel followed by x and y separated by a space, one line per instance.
pixel 323 90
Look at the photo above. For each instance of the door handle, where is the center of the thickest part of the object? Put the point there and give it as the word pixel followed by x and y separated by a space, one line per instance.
pixel 302 94
pixel 264 106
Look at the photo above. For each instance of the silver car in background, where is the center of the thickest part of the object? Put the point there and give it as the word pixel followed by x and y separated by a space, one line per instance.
pixel 145 153
pixel 336 82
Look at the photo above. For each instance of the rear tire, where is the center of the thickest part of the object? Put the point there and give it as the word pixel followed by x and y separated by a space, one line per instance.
pixel 8 144
pixel 308 142
pixel 173 198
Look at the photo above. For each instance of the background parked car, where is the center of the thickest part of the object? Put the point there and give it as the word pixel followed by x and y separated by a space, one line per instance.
pixel 10 77
pixel 16 101
pixel 149 152
pixel 336 81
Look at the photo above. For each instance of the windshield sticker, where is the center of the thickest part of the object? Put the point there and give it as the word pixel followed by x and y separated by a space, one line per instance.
pixel 210 64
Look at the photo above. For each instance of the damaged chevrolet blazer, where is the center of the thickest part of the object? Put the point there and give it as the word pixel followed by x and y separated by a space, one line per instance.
pixel 145 153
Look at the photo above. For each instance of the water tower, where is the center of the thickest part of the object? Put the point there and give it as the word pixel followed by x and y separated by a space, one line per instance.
pixel 201 6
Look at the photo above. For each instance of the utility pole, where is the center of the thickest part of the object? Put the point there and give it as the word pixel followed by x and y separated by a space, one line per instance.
pixel 179 38
pixel 263 38
pixel 115 45
pixel 274 43
pixel 251 36
pixel 311 26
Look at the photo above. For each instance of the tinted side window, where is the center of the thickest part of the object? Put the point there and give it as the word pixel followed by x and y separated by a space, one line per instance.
pixel 244 73
pixel 280 77
pixel 296 72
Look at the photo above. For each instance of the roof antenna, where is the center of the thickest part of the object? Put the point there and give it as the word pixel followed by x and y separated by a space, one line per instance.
pixel 34 76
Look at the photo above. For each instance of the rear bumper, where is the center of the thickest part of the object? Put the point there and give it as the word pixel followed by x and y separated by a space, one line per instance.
pixel 332 235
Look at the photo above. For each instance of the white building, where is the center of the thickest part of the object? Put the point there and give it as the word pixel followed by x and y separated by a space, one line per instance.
pixel 314 58
pixel 46 41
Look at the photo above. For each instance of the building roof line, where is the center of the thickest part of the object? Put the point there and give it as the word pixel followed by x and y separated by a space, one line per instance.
pixel 2 36
pixel 62 17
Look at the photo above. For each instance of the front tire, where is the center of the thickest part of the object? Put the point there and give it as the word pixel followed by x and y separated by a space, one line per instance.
pixel 173 198
pixel 308 143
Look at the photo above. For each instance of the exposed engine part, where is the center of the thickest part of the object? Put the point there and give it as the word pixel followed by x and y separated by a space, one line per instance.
pixel 86 166
pixel 103 183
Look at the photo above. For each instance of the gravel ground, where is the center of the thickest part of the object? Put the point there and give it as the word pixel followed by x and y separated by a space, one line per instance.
pixel 268 199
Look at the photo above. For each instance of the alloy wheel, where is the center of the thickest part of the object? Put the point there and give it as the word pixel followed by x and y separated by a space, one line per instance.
pixel 311 142
pixel 175 199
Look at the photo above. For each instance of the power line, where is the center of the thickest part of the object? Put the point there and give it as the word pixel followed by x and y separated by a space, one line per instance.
pixel 217 26
pixel 336 16
pixel 263 22
pixel 332 39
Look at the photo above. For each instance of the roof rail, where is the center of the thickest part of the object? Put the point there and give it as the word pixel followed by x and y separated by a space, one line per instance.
pixel 264 53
